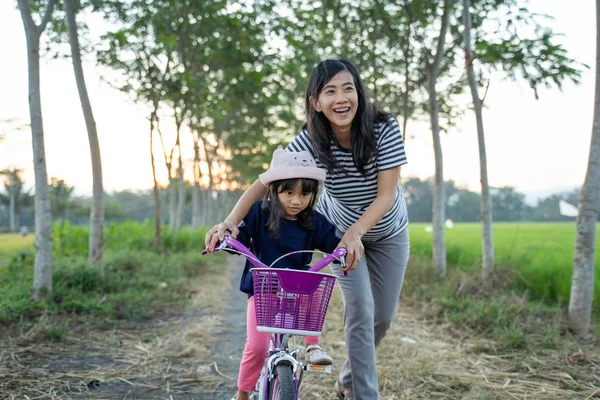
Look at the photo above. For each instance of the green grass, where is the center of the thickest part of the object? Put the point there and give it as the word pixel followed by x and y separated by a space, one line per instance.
pixel 11 243
pixel 460 300
pixel 540 254
pixel 132 282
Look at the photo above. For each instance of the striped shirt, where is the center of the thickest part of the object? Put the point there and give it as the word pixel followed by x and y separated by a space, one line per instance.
pixel 347 194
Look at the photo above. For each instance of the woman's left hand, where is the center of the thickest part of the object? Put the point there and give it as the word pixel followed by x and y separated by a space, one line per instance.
pixel 353 244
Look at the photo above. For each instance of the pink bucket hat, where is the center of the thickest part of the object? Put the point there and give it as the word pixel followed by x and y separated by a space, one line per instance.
pixel 290 165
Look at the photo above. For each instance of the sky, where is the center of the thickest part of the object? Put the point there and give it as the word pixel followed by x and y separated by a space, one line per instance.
pixel 537 146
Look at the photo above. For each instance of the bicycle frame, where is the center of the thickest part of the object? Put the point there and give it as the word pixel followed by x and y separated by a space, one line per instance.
pixel 280 354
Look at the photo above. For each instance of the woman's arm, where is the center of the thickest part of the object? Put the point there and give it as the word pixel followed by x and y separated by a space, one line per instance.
pixel 253 194
pixel 387 183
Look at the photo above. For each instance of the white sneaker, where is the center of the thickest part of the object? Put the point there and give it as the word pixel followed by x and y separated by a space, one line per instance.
pixel 317 356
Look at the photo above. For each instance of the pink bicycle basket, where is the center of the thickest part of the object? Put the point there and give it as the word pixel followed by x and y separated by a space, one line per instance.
pixel 288 300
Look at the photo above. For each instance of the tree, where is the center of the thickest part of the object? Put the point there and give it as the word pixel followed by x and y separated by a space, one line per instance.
pixel 419 198
pixel 212 56
pixel 146 65
pixel 96 239
pixel 487 242
pixel 582 285
pixel 537 60
pixel 42 282
pixel 548 208
pixel 433 66
pixel 13 185
pixel 60 197
pixel 508 204
pixel 463 206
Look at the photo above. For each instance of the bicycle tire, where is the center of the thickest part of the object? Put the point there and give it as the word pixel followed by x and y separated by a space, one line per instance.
pixel 282 386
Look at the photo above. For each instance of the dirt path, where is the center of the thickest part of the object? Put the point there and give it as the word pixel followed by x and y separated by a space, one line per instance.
pixel 195 355
pixel 188 356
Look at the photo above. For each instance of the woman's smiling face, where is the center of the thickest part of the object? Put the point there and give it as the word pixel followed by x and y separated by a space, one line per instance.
pixel 338 101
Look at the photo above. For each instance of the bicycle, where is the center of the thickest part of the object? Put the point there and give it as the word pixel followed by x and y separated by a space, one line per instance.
pixel 288 303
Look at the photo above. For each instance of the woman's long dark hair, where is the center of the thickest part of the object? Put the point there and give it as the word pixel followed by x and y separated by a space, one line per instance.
pixel 274 210
pixel 364 146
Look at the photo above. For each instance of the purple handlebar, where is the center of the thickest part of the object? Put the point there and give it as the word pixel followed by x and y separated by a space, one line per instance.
pixel 339 253
pixel 228 241
pixel 231 242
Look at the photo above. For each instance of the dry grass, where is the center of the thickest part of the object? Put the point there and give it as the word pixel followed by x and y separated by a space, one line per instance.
pixel 421 360
pixel 172 358
pixel 168 355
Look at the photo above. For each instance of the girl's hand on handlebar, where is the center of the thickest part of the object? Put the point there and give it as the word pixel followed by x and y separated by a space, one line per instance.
pixel 353 244
pixel 217 234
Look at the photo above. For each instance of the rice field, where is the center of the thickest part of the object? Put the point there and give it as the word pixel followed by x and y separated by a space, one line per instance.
pixel 541 253
pixel 11 243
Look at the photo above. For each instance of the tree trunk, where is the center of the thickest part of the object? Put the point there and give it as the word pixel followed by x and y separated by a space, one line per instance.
pixel 180 206
pixel 172 188
pixel 18 218
pixel 487 241
pixel 180 196
pixel 204 210
pixel 172 201
pixel 209 164
pixel 42 280
pixel 406 53
pixel 406 94
pixel 439 197
pixel 96 239
pixel 582 286
pixel 155 189
pixel 196 191
pixel 12 211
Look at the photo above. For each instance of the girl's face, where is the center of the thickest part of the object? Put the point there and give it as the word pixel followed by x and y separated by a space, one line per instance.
pixel 293 201
pixel 338 101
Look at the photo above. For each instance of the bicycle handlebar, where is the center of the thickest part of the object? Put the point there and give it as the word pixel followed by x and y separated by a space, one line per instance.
pixel 339 255
pixel 228 241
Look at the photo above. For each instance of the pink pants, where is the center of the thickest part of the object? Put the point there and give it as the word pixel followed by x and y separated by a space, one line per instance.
pixel 255 350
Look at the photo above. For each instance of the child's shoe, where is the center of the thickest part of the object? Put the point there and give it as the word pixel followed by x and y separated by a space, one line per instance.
pixel 317 356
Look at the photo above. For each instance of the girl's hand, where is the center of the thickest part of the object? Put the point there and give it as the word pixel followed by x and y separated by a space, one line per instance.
pixel 217 234
pixel 352 242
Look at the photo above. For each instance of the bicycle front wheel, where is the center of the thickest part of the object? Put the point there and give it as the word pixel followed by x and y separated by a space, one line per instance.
pixel 282 385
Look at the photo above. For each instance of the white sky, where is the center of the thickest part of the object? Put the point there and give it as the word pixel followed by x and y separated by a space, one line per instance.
pixel 535 146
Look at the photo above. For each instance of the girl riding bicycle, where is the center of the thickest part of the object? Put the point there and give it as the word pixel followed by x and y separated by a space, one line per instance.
pixel 283 222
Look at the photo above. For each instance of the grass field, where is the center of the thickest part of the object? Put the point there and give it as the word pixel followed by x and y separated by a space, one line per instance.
pixel 541 253
pixel 11 243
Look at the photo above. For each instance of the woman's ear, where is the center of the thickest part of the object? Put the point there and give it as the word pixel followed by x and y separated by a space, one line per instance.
pixel 315 104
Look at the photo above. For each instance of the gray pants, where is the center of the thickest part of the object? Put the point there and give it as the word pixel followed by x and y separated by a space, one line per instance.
pixel 371 294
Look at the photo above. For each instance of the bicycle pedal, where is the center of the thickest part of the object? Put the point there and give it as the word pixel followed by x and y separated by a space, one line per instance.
pixel 326 369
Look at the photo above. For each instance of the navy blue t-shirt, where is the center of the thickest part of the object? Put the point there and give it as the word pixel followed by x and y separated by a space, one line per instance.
pixel 292 237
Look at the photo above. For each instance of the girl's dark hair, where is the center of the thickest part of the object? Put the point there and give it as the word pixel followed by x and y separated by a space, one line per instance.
pixel 364 146
pixel 274 210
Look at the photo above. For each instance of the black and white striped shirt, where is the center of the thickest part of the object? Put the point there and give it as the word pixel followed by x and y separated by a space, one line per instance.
pixel 347 194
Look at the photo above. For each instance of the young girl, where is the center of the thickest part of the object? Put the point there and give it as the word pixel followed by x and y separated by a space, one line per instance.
pixel 283 222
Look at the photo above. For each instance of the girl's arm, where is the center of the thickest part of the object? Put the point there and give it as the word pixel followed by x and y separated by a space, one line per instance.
pixel 253 194
pixel 387 183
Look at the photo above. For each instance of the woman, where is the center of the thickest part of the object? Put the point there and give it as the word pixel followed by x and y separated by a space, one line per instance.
pixel 361 148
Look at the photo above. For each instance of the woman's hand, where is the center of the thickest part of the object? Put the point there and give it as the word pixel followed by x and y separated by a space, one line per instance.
pixel 353 243
pixel 217 234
